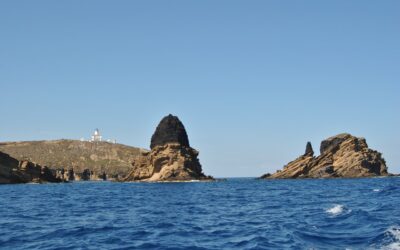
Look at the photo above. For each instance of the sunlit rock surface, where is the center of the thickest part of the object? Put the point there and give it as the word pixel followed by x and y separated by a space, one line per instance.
pixel 342 155
pixel 170 159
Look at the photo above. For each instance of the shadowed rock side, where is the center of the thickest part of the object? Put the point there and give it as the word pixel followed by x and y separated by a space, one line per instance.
pixel 169 130
pixel 342 155
pixel 170 159
pixel 309 150
pixel 14 171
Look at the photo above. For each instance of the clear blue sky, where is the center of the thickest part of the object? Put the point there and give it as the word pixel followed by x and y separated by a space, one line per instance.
pixel 252 81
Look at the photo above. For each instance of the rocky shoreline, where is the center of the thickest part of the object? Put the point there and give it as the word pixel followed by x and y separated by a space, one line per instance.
pixel 87 160
pixel 24 171
pixel 172 159
pixel 14 171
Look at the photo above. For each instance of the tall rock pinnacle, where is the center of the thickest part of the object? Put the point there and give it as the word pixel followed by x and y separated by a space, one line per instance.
pixel 169 130
pixel 170 159
pixel 309 150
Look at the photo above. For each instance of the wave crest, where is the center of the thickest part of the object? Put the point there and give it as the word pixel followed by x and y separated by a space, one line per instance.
pixel 394 234
pixel 336 209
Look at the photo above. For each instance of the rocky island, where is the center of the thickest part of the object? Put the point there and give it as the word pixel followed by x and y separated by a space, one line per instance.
pixel 342 155
pixel 171 158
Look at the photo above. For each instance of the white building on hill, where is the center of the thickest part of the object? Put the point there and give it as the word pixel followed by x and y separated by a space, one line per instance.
pixel 96 136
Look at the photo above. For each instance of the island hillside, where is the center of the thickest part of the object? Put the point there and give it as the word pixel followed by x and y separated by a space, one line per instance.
pixel 75 159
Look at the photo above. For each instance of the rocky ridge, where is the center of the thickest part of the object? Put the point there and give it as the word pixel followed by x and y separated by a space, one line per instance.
pixel 342 155
pixel 76 160
pixel 171 158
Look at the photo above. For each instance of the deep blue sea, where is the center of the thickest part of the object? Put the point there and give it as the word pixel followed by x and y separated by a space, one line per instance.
pixel 241 213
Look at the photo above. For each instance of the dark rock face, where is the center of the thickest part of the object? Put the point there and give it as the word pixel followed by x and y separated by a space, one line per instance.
pixel 309 150
pixel 342 155
pixel 170 159
pixel 48 175
pixel 169 130
pixel 70 175
pixel 14 171
pixel 8 167
pixel 103 176
pixel 86 174
pixel 332 144
pixel 264 176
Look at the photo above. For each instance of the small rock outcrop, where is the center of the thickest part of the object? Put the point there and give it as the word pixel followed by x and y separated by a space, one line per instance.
pixel 171 158
pixel 14 171
pixel 309 150
pixel 85 175
pixel 342 155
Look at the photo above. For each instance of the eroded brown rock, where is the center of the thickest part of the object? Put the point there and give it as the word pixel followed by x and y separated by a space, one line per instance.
pixel 342 155
pixel 170 159
pixel 14 171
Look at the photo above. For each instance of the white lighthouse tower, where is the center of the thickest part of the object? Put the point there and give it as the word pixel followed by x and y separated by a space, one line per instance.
pixel 96 136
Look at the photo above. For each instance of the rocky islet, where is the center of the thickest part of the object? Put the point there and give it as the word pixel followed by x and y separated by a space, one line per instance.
pixel 171 158
pixel 342 155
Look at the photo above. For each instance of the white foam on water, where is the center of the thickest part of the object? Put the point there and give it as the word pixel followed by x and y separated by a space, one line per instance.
pixel 393 232
pixel 335 210
pixel 376 190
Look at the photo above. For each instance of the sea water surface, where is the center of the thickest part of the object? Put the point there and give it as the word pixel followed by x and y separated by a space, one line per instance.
pixel 241 213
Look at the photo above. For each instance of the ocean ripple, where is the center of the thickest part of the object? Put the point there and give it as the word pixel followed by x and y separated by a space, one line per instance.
pixel 239 213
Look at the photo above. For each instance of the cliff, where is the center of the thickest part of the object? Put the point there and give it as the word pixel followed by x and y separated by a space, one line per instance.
pixel 342 155
pixel 13 171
